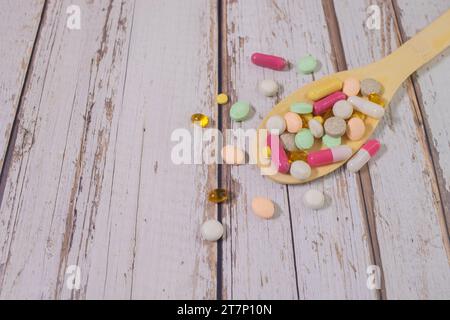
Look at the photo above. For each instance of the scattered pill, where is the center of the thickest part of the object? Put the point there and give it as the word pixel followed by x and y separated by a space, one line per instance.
pixel 288 140
pixel 376 98
pixel 355 129
pixel 268 87
pixel 369 86
pixel 351 86
pixel 343 109
pixel 222 98
pixel 307 64
pixel 200 119
pixel 263 207
pixel 276 125
pixel 298 155
pixel 278 155
pixel 367 107
pixel 367 151
pixel 304 139
pixel 328 156
pixel 293 122
pixel 329 141
pixel 212 230
pixel 314 199
pixel 335 127
pixel 218 195
pixel 269 61
pixel 325 104
pixel 240 111
pixel 316 128
pixel 324 88
pixel 300 170
pixel 233 155
pixel 301 107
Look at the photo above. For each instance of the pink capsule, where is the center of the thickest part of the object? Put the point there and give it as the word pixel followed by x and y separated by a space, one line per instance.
pixel 268 61
pixel 367 151
pixel 323 105
pixel 328 156
pixel 278 155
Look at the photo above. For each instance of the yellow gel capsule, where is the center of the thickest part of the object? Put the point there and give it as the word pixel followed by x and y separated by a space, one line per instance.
pixel 200 119
pixel 376 98
pixel 323 88
pixel 360 115
pixel 267 152
pixel 218 195
pixel 297 155
pixel 319 119
pixel 305 119
pixel 328 114
pixel 222 98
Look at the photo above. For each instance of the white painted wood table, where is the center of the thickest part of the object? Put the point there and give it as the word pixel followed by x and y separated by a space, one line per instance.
pixel 86 117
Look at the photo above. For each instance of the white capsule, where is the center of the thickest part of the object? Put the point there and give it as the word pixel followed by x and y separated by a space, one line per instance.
pixel 367 107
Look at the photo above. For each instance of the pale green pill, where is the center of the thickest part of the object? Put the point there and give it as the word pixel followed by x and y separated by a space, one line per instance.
pixel 301 107
pixel 330 141
pixel 239 111
pixel 304 139
pixel 307 64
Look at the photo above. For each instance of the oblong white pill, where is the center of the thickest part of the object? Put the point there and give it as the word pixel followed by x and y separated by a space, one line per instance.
pixel 367 107
pixel 268 87
pixel 314 199
pixel 212 230
pixel 276 125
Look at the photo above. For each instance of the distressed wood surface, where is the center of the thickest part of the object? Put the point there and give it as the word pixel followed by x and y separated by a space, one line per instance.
pixel 400 190
pixel 88 179
pixel 18 28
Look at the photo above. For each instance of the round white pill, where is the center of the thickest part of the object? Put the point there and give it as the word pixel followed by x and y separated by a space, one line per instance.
pixel 314 199
pixel 343 109
pixel 300 170
pixel 316 128
pixel 212 230
pixel 268 87
pixel 276 125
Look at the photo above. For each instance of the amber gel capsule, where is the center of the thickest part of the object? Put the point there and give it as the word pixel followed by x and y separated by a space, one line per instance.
pixel 268 61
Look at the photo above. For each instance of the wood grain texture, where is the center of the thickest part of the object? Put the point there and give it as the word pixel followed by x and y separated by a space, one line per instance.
pixel 19 24
pixel 91 182
pixel 401 193
pixel 312 254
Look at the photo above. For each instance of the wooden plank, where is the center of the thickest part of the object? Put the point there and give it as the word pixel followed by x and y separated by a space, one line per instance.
pixel 430 88
pixel 325 252
pixel 401 191
pixel 18 27
pixel 91 183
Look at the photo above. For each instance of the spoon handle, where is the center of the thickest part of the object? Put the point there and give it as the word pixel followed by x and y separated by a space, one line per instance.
pixel 419 50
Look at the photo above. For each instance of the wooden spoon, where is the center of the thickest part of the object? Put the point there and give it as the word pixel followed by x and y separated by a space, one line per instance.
pixel 391 71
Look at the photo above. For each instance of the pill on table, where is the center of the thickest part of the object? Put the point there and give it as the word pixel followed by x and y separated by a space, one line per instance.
pixel 304 139
pixel 212 230
pixel 300 170
pixel 323 88
pixel 269 61
pixel 277 153
pixel 329 141
pixel 288 140
pixel 276 125
pixel 367 107
pixel 367 151
pixel 325 104
pixel 355 129
pixel 335 127
pixel 369 86
pixel 200 119
pixel 343 109
pixel 301 107
pixel 328 156
pixel 268 87
pixel 314 199
pixel 351 86
pixel 233 155
pixel 263 207
pixel 307 64
pixel 222 98
pixel 316 128
pixel 218 195
pixel 240 111
pixel 293 122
